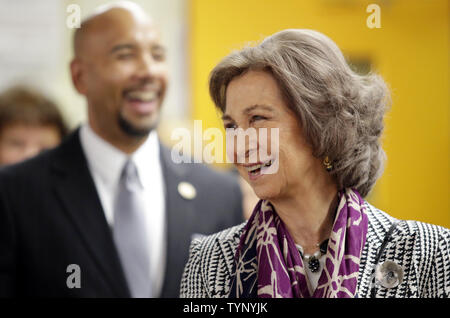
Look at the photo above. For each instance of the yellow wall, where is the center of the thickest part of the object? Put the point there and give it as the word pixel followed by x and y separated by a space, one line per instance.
pixel 410 50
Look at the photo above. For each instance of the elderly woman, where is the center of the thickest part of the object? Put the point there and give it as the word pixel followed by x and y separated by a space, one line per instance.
pixel 312 234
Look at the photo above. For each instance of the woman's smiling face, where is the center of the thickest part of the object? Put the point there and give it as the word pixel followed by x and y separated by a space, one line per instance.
pixel 254 100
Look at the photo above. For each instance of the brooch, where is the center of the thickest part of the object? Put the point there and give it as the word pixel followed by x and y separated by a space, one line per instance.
pixel 389 274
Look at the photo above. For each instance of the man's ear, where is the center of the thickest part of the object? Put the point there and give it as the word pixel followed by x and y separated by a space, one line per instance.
pixel 77 73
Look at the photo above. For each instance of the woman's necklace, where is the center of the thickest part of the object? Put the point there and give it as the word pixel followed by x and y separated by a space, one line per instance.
pixel 313 260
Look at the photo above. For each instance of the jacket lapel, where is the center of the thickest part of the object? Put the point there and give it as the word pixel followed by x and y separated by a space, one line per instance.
pixel 227 250
pixel 178 211
pixel 379 224
pixel 74 186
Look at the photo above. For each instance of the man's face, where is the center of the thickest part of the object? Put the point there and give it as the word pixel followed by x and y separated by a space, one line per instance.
pixel 124 74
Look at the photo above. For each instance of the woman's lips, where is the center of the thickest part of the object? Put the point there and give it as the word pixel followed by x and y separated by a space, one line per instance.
pixel 257 170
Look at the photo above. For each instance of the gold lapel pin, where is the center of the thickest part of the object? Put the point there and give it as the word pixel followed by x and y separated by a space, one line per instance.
pixel 187 190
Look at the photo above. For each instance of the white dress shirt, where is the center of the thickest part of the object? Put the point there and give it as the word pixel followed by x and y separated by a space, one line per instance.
pixel 105 164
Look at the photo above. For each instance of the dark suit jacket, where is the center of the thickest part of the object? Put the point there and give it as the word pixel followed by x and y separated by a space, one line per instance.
pixel 51 217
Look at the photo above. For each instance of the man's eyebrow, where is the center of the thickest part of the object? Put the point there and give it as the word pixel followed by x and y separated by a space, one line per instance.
pixel 122 46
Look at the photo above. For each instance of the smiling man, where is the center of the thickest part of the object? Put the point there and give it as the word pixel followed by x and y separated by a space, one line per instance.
pixel 120 66
pixel 109 199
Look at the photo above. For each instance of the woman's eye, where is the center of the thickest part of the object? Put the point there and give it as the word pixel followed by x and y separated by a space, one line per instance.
pixel 230 126
pixel 256 118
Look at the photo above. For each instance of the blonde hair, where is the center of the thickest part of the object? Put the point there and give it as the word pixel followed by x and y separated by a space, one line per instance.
pixel 340 112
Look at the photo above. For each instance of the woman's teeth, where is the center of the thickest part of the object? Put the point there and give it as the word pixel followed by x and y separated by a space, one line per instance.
pixel 256 168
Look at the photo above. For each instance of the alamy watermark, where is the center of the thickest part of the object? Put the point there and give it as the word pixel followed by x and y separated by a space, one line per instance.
pixel 249 147
pixel 74 278
pixel 73 20
pixel 374 19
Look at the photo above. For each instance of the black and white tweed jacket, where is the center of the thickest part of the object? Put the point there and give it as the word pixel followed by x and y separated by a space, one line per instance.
pixel 423 251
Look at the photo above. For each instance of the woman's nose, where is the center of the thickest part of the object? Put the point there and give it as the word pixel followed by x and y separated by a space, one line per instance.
pixel 242 145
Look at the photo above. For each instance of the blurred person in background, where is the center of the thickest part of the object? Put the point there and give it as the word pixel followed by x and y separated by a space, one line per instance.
pixel 108 213
pixel 29 123
pixel 312 234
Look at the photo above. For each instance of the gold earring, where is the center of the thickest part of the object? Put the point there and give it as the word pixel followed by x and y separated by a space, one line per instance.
pixel 327 164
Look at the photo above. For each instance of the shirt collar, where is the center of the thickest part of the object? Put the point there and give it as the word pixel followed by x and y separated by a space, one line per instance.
pixel 108 161
pixel 146 159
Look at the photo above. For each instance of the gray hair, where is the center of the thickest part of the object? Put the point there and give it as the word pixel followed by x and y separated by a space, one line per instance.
pixel 340 112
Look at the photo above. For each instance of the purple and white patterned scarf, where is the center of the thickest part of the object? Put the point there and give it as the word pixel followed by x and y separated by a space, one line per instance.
pixel 268 264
